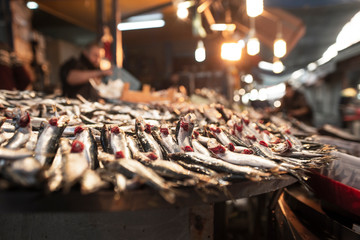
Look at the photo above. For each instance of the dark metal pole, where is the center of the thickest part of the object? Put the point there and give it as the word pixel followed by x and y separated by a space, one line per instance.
pixel 100 19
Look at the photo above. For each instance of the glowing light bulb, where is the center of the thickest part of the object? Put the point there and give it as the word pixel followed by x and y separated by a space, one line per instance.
pixel 182 12
pixel 279 48
pixel 200 54
pixel 248 78
pixel 278 66
pixel 32 5
pixel 253 46
pixel 254 7
pixel 231 51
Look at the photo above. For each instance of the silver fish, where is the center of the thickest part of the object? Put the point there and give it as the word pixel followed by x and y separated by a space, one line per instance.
pixel 48 141
pixel 147 141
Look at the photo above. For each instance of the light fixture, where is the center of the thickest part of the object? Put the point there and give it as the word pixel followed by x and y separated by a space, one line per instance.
pixel 146 17
pixel 125 26
pixel 311 66
pixel 277 104
pixel 278 66
pixel 254 7
pixel 200 54
pixel 32 5
pixel 279 48
pixel 253 44
pixel 265 66
pixel 231 51
pixel 279 43
pixel 183 9
pixel 223 27
pixel 182 13
pixel 248 78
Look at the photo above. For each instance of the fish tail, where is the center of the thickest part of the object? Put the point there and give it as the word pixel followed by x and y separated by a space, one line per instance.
pixel 302 177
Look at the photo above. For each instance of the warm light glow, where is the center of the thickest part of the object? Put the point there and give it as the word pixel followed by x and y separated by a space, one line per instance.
pixel 241 42
pixel 279 48
pixel 231 51
pixel 182 12
pixel 278 67
pixel 105 64
pixel 254 94
pixel 248 78
pixel 145 17
pixel 140 25
pixel 236 98
pixel 254 7
pixel 242 91
pixel 200 54
pixel 32 5
pixel 253 46
pixel 223 27
pixel 277 104
pixel 265 66
pixel 245 98
pixel 262 94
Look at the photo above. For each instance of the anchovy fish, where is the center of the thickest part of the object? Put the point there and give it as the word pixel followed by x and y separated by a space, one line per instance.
pixel 90 147
pixel 118 143
pixel 130 168
pixel 22 134
pixel 143 132
pixel 218 164
pixel 48 141
pixel 184 131
pixel 242 159
pixel 165 139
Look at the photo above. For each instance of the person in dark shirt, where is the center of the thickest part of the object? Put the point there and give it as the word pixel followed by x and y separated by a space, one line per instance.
pixel 75 74
pixel 294 104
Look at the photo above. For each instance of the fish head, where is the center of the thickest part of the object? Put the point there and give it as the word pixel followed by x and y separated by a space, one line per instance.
pixel 77 146
pixel 78 130
pixel 215 147
pixel 24 120
pixel 139 124
pixel 115 130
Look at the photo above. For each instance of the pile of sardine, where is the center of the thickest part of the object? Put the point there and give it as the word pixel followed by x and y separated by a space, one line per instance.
pixel 61 144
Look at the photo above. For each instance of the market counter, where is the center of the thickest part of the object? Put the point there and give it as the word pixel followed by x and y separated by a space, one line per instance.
pixel 138 214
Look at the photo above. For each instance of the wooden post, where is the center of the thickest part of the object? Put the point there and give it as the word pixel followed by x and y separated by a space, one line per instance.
pixel 117 44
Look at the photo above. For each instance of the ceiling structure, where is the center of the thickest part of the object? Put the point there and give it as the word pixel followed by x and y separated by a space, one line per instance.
pixel 309 27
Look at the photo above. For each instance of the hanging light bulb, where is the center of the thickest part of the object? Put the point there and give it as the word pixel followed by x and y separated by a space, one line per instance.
pixel 279 48
pixel 254 7
pixel 278 66
pixel 182 12
pixel 200 54
pixel 183 9
pixel 279 43
pixel 231 51
pixel 253 46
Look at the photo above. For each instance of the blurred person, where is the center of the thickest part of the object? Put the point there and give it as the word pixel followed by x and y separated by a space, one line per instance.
pixel 75 74
pixel 294 104
pixel 13 74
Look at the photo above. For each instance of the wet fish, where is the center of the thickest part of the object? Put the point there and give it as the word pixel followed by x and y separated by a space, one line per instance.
pixel 25 172
pixel 48 141
pixel 131 168
pixel 218 164
pixel 184 131
pixel 91 182
pixel 118 143
pixel 242 159
pixel 147 141
pixel 22 134
pixel 165 139
pixel 75 164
